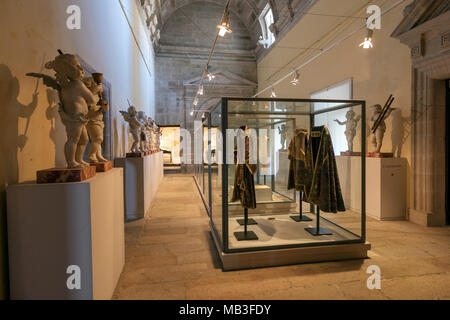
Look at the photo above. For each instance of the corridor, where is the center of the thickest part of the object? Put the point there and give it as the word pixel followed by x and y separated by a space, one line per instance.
pixel 170 255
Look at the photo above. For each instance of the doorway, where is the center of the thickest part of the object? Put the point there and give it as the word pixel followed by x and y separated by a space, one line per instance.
pixel 447 147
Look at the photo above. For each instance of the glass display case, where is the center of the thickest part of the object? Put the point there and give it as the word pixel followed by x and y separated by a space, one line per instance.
pixel 295 180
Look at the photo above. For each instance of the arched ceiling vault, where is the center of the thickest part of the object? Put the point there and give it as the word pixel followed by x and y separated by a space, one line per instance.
pixel 286 13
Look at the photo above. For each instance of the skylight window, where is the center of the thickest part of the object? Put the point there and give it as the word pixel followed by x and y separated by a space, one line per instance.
pixel 266 20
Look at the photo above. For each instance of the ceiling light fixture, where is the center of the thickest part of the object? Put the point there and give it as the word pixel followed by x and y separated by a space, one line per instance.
pixel 192 113
pixel 224 27
pixel 296 79
pixel 200 90
pixel 210 75
pixel 368 43
pixel 196 100
pixel 273 95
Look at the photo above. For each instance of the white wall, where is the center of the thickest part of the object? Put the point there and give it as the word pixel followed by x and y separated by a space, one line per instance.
pixel 30 32
pixel 376 73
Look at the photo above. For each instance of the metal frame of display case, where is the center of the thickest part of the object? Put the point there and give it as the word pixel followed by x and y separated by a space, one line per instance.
pixel 224 119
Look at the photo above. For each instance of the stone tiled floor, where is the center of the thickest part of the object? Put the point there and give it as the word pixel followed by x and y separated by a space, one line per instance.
pixel 170 255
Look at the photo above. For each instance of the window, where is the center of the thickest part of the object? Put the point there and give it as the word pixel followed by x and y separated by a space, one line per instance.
pixel 266 20
pixel 340 91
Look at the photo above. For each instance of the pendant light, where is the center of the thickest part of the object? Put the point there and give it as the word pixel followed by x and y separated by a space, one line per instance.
pixel 200 90
pixel 224 27
pixel 273 95
pixel 210 75
pixel 368 44
pixel 296 79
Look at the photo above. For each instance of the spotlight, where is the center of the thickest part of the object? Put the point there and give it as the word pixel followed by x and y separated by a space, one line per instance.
pixel 367 44
pixel 195 101
pixel 296 79
pixel 200 90
pixel 192 113
pixel 209 75
pixel 273 95
pixel 224 27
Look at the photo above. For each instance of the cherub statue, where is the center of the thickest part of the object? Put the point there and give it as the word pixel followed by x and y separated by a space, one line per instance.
pixel 74 98
pixel 135 127
pixel 350 128
pixel 95 124
pixel 149 127
pixel 158 137
pixel 283 134
pixel 378 135
pixel 142 117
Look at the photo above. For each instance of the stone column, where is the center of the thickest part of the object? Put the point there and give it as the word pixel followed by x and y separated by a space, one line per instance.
pixel 427 147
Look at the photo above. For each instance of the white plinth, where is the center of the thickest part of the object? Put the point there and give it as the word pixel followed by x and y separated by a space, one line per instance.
pixel 262 193
pixel 143 177
pixel 385 186
pixel 282 165
pixel 54 226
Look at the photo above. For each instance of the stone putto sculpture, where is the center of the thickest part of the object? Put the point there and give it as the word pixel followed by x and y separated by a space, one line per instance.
pixel 350 128
pixel 142 117
pixel 95 123
pixel 135 127
pixel 283 136
pixel 378 117
pixel 75 99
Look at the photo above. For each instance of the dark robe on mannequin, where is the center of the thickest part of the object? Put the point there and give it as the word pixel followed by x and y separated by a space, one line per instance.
pixel 299 173
pixel 244 184
pixel 324 187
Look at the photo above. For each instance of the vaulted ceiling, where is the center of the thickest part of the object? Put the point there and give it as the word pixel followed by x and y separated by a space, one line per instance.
pixel 286 13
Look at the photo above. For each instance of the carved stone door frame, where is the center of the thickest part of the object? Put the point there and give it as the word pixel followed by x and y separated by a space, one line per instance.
pixel 429 41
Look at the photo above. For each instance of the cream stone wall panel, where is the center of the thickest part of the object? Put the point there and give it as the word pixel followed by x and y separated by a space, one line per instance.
pixel 376 73
pixel 422 30
pixel 30 33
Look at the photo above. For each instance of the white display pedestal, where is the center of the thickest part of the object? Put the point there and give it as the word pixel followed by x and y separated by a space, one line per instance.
pixel 54 226
pixel 385 186
pixel 282 165
pixel 143 177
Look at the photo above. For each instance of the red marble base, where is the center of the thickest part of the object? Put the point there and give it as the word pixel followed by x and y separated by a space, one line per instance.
pixel 379 155
pixel 103 166
pixel 135 154
pixel 351 154
pixel 63 175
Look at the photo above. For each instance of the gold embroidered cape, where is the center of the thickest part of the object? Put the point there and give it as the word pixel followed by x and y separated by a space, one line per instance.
pixel 298 172
pixel 324 189
pixel 244 184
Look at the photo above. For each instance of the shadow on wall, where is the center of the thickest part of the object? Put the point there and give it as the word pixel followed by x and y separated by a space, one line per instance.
pixel 401 127
pixel 56 126
pixel 10 143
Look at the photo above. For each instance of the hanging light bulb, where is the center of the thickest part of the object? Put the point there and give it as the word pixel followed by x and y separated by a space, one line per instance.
pixel 200 90
pixel 273 95
pixel 224 27
pixel 367 44
pixel 195 101
pixel 192 113
pixel 296 79
pixel 209 75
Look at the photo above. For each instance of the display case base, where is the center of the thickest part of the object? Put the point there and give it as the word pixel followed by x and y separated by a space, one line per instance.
pixel 249 222
pixel 379 155
pixel 320 232
pixel 302 219
pixel 279 257
pixel 245 236
pixel 102 166
pixel 63 175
